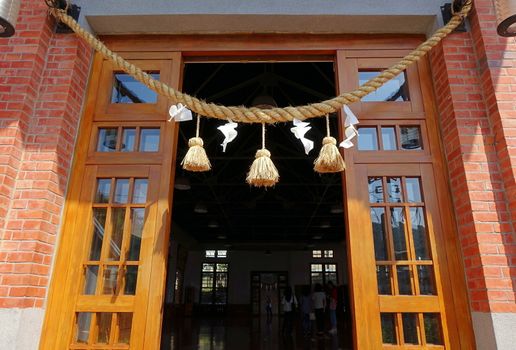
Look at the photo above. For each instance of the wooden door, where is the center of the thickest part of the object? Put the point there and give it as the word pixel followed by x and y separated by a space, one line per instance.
pixel 109 279
pixel 402 250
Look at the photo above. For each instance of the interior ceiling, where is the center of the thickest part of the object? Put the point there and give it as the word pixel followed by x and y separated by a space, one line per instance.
pixel 299 208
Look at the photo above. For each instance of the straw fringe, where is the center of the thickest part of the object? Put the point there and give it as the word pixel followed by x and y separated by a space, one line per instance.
pixel 329 160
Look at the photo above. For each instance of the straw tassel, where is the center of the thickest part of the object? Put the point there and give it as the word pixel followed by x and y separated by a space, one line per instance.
pixel 196 158
pixel 330 160
pixel 263 172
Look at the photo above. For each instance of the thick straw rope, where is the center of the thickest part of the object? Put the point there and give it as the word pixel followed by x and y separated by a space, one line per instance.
pixel 258 115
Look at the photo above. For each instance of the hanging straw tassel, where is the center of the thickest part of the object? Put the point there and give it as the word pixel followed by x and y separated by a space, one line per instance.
pixel 196 158
pixel 263 173
pixel 329 160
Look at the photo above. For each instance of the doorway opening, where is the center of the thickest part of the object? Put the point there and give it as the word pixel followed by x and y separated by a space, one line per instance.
pixel 234 249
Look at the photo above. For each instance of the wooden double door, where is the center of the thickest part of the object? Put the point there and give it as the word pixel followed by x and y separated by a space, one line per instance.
pixel 108 282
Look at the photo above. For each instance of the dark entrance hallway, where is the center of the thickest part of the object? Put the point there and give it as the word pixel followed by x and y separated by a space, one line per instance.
pixel 235 249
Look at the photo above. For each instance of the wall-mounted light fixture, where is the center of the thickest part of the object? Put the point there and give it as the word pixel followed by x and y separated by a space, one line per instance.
pixel 506 17
pixel 8 15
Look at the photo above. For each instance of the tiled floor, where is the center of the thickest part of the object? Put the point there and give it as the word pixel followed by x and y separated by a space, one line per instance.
pixel 242 333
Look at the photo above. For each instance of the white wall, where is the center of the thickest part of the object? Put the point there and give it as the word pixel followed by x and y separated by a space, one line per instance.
pixel 242 263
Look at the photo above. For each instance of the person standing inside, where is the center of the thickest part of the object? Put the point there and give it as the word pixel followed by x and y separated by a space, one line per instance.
pixel 306 310
pixel 332 295
pixel 289 303
pixel 319 304
pixel 268 308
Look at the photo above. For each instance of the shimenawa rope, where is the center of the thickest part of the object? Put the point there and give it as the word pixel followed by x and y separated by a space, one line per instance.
pixel 258 115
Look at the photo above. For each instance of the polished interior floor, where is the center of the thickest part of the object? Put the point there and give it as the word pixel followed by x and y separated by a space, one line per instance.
pixel 242 333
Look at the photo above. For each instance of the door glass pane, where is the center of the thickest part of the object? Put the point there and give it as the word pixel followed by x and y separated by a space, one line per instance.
pixel 317 277
pixel 121 191
pixel 379 234
pixel 222 267
pixel 394 192
pixel 331 276
pixel 398 233
pixel 117 234
pixel 410 328
pixel 83 327
pixel 99 223
pixel 404 282
pixel 389 138
pixel 126 89
pixel 221 284
pixel 433 329
pixel 149 140
pixel 110 280
pixel 388 328
pixel 417 218
pixel 207 287
pixel 411 138
pixel 208 267
pixel 375 190
pixel 330 267
pixel 103 327
pixel 383 276
pixel 103 189
pixel 367 139
pixel 137 218
pixel 426 280
pixel 125 320
pixel 90 279
pixel 395 89
pixel 140 191
pixel 413 190
pixel 107 138
pixel 128 140
pixel 131 275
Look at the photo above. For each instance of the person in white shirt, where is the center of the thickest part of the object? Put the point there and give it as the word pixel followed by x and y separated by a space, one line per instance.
pixel 319 304
pixel 289 303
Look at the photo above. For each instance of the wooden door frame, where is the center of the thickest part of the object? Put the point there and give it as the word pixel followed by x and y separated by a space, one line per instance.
pixel 272 47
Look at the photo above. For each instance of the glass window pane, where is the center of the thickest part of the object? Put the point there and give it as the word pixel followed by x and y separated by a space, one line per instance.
pixel 398 233
pixel 83 327
pixel 388 328
pixel 328 253
pixel 316 254
pixel 379 234
pixel 383 276
pixel 426 280
pixel 103 189
pixel 413 190
pixel 131 276
pixel 128 140
pixel 411 138
pixel 210 253
pixel 126 89
pixel 330 267
pixel 433 329
pixel 140 191
pixel 125 321
pixel 99 223
pixel 316 267
pixel 117 233
pixel 375 190
pixel 367 139
pixel 395 89
pixel 389 138
pixel 208 267
pixel 317 277
pixel 90 279
pixel 103 327
pixel 331 276
pixel 410 328
pixel 394 192
pixel 137 220
pixel 149 140
pixel 110 280
pixel 222 267
pixel 222 253
pixel 419 233
pixel 106 141
pixel 404 282
pixel 121 191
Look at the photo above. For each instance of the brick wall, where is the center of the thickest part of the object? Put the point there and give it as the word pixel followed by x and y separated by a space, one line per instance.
pixel 473 73
pixel 43 77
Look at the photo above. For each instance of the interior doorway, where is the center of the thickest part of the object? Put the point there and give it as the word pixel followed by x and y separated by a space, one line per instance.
pixel 234 248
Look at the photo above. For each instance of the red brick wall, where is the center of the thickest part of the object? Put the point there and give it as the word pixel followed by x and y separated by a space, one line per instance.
pixel 43 77
pixel 473 75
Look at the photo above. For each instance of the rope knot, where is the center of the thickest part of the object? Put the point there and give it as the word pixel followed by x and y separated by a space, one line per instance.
pixel 329 140
pixel 262 153
pixel 195 141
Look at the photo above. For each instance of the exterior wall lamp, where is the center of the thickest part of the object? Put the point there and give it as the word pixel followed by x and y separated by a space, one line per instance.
pixel 8 15
pixel 506 17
